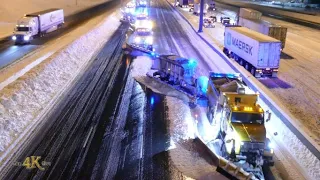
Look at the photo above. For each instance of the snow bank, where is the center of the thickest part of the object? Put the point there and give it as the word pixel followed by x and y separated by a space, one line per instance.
pixel 286 139
pixel 25 99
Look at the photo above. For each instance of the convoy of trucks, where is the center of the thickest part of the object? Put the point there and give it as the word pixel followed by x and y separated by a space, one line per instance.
pixel 37 24
pixel 252 19
pixel 258 53
pixel 230 103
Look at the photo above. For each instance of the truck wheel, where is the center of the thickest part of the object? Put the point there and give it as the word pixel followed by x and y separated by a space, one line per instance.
pixel 234 56
pixel 225 51
pixel 253 71
pixel 274 74
pixel 241 62
pixel 247 66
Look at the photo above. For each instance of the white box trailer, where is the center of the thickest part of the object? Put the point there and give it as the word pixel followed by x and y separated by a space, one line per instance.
pixel 258 53
pixel 37 24
pixel 185 3
pixel 196 10
pixel 249 13
pixel 265 27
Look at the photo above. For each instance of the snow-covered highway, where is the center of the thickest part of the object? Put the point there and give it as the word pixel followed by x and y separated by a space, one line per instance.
pixel 105 125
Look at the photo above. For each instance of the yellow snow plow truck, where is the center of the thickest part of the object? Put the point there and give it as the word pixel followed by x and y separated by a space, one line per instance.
pixel 234 107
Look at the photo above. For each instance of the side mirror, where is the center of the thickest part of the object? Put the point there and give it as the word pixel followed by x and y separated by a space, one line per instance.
pixel 268 116
pixel 228 141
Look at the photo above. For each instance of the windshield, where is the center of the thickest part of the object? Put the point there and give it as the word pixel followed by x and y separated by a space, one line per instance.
pixel 22 28
pixel 247 118
pixel 143 32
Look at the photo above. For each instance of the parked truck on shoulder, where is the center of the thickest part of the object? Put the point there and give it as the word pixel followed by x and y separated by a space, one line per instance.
pixel 258 53
pixel 249 13
pixel 196 10
pixel 37 24
pixel 251 19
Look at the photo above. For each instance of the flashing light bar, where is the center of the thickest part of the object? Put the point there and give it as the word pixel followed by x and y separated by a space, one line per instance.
pixel 228 75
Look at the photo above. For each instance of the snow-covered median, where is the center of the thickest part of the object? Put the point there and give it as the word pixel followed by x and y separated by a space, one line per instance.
pixel 23 101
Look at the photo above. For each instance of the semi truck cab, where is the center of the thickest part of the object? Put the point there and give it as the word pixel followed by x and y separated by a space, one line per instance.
pixel 25 29
pixel 37 24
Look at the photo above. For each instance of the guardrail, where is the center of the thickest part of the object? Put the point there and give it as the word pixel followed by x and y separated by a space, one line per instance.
pixel 285 119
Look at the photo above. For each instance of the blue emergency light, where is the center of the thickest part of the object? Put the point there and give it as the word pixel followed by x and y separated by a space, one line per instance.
pixel 192 63
pixel 228 75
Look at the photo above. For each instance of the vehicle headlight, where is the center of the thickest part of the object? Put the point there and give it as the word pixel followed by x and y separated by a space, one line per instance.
pixel 149 40
pixel 26 38
pixel 14 38
pixel 137 39
pixel 149 25
pixel 270 145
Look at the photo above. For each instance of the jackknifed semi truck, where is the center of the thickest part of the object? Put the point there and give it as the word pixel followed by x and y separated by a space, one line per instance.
pixel 37 24
pixel 258 53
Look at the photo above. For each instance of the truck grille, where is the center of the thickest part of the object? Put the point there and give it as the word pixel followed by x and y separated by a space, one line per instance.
pixel 19 37
pixel 250 146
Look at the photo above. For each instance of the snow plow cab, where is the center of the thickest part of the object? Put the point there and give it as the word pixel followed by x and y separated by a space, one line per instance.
pixel 241 118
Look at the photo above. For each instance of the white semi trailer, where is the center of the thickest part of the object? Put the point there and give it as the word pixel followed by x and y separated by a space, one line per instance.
pixel 258 53
pixel 265 27
pixel 37 24
pixel 197 9
pixel 251 19
pixel 250 13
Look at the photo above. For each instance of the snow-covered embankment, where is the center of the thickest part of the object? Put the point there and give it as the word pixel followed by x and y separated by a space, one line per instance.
pixel 24 101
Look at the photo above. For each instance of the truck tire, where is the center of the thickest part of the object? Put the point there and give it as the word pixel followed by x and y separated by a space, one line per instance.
pixel 247 66
pixel 274 74
pixel 241 61
pixel 253 71
pixel 225 51
pixel 234 56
